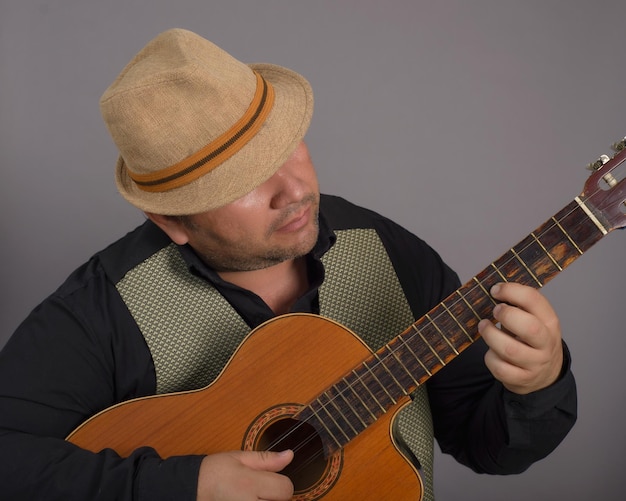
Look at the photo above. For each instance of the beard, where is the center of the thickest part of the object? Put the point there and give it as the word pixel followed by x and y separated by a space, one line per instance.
pixel 245 256
pixel 240 258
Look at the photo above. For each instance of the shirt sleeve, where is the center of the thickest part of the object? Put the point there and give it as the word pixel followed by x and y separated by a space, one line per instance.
pixel 76 354
pixel 490 429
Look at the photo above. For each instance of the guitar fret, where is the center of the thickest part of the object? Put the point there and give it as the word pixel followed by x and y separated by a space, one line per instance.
pixel 458 323
pixel 332 402
pixel 466 319
pixel 369 391
pixel 499 272
pixel 403 362
pixel 435 348
pixel 408 347
pixel 332 417
pixel 554 261
pixel 485 291
pixel 513 267
pixel 567 235
pixel 360 400
pixel 378 380
pixel 334 393
pixel 534 277
pixel 382 364
pixel 407 372
pixel 580 227
pixel 538 258
pixel 415 356
pixel 427 343
pixel 560 249
pixel 321 421
pixel 471 308
pixel 378 390
pixel 477 295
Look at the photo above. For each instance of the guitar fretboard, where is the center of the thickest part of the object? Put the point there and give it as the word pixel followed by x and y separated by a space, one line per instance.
pixel 410 359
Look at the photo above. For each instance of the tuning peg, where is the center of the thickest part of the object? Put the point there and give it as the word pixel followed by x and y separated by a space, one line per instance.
pixel 619 146
pixel 594 166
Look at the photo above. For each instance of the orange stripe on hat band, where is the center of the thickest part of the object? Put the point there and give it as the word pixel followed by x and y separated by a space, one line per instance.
pixel 217 151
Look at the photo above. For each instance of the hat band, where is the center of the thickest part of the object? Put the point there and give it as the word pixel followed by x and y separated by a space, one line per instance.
pixel 217 151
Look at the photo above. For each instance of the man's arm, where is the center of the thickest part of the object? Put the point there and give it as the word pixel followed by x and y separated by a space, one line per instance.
pixel 491 429
pixel 66 362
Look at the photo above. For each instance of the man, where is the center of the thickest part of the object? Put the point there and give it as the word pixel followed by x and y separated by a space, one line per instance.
pixel 213 152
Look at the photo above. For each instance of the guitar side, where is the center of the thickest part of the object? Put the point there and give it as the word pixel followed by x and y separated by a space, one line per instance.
pixel 283 364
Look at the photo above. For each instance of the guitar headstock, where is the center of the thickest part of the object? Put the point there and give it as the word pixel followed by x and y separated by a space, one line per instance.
pixel 605 190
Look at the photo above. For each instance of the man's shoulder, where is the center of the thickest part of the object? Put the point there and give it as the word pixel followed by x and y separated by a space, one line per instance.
pixel 132 249
pixel 113 262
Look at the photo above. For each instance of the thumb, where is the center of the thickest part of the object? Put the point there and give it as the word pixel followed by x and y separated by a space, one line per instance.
pixel 267 460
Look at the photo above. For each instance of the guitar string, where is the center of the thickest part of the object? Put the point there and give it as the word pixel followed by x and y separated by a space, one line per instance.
pixel 410 338
pixel 313 436
pixel 391 351
pixel 414 326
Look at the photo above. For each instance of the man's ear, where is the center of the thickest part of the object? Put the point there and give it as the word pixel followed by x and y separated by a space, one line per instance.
pixel 172 226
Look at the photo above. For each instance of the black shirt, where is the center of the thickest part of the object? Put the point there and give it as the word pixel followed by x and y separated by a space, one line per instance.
pixel 80 351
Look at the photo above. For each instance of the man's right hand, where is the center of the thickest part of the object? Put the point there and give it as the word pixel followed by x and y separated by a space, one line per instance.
pixel 245 476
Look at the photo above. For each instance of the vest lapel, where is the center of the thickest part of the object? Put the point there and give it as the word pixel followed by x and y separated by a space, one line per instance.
pixel 190 329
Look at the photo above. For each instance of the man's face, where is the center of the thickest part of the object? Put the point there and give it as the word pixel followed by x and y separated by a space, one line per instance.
pixel 275 222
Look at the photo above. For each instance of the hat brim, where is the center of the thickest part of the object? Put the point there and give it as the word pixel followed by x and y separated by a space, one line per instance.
pixel 256 162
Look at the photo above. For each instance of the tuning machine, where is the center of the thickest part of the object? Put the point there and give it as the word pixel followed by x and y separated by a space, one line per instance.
pixel 594 166
pixel 619 146
pixel 608 178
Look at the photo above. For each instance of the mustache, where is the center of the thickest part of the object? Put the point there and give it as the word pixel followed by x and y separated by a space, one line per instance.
pixel 310 199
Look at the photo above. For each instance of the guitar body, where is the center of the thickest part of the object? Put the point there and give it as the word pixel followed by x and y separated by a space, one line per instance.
pixel 282 365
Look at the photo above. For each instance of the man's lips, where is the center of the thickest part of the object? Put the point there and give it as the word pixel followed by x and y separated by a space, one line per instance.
pixel 296 222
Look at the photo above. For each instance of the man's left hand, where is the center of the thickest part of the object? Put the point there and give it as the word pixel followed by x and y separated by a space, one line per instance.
pixel 525 351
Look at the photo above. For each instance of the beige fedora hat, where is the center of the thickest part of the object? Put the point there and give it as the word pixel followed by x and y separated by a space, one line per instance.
pixel 196 128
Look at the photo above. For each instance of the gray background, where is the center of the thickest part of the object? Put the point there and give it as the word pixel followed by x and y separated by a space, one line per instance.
pixel 468 122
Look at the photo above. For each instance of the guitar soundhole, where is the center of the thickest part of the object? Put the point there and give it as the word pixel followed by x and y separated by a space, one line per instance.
pixel 311 471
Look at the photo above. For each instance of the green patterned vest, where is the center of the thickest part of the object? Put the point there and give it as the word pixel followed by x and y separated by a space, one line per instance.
pixel 360 291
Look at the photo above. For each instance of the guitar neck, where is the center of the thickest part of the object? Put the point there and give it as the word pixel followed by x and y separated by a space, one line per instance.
pixel 451 326
pixel 428 345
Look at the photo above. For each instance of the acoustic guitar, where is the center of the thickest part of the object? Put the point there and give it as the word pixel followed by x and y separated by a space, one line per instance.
pixel 306 383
